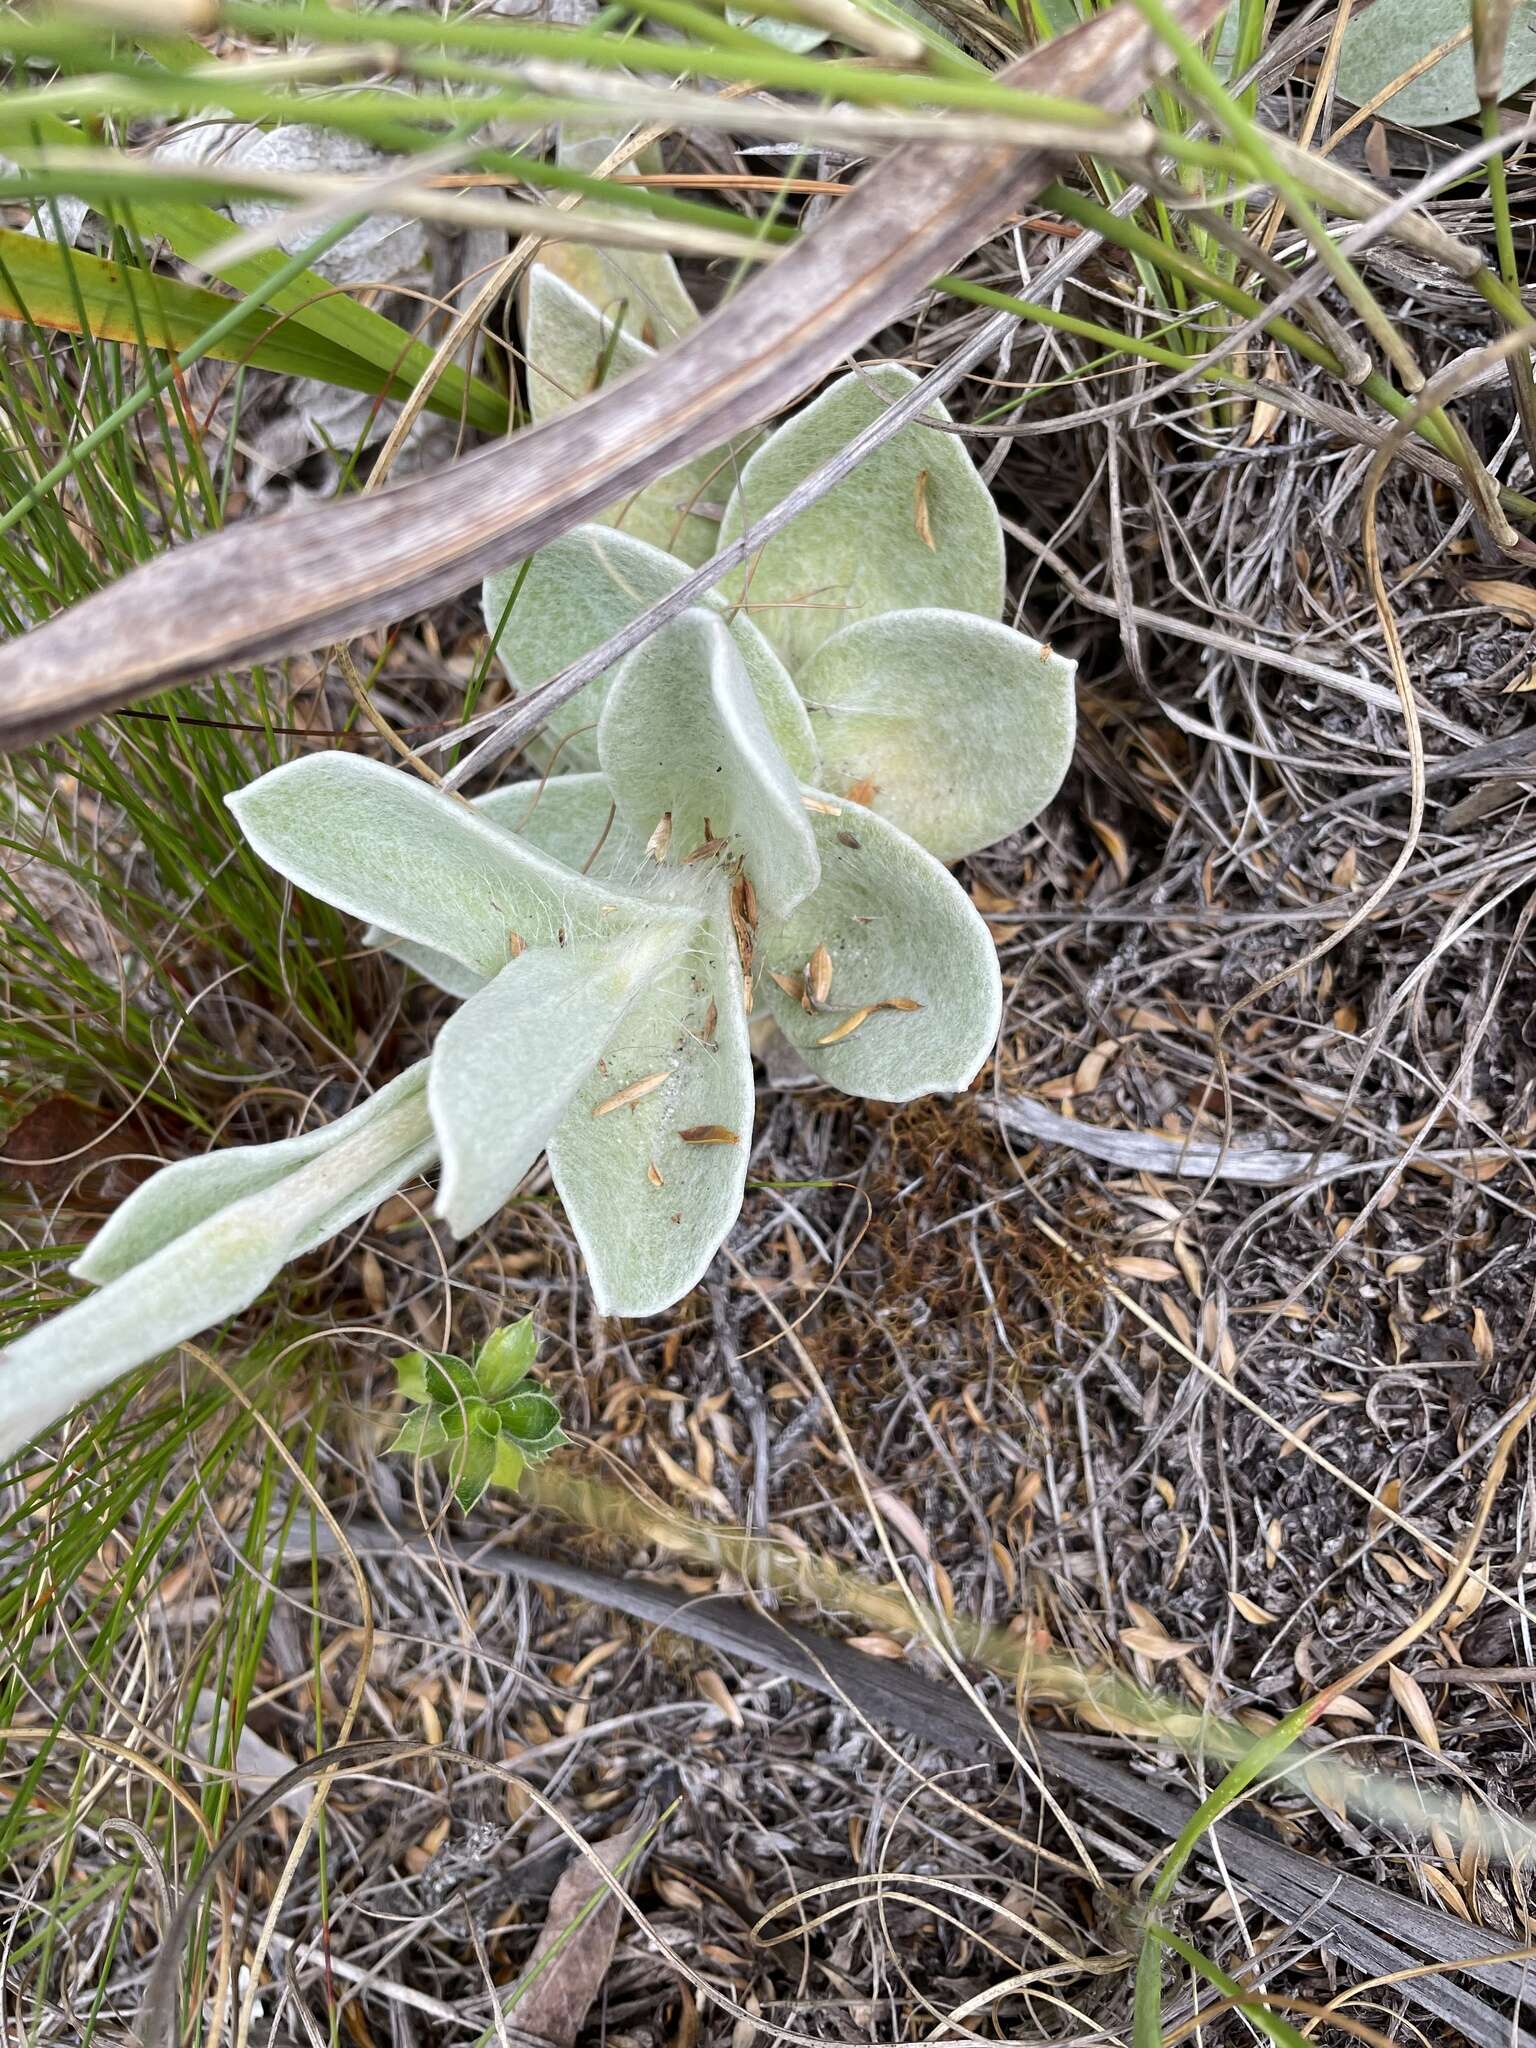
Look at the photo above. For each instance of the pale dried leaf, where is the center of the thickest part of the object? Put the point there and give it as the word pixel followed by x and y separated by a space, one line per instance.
pixel 573 1954
pixel 1410 1696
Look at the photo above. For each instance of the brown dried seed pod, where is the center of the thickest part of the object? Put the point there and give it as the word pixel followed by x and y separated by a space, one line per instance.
pixel 849 1025
pixel 635 1092
pixel 920 517
pixel 855 1018
pixel 818 975
pixel 708 1134
pixel 703 851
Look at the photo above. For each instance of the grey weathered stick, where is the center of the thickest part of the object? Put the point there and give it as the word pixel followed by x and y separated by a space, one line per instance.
pixel 1150 1151
pixel 272 587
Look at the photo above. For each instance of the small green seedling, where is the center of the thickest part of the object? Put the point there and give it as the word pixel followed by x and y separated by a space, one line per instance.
pixel 748 824
pixel 480 1415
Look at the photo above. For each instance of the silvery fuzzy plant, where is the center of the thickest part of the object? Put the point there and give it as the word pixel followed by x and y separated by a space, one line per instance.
pixel 749 821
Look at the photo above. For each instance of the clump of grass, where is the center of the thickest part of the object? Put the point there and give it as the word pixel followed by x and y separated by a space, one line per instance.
pixel 128 897
pixel 105 1610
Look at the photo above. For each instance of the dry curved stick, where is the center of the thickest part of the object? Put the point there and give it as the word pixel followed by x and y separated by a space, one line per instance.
pixel 272 587
pixel 1153 1152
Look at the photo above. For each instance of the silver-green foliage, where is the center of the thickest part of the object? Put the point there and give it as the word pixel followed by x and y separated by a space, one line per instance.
pixel 762 805
pixel 913 525
pixel 1389 37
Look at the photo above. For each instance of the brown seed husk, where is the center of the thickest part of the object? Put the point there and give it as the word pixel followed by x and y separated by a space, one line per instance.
pixel 703 851
pixel 855 1018
pixel 849 1025
pixel 920 511
pixel 818 975
pixel 635 1092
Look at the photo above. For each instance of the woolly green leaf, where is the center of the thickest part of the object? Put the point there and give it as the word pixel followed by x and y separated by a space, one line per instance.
pixel 507 1064
pixel 914 525
pixel 532 1418
pixel 572 818
pixel 472 1468
pixel 507 1469
pixel 961 729
pixel 203 1279
pixel 574 347
pixel 898 928
pixel 505 1358
pixel 435 967
pixel 190 1192
pixel 645 281
pixel 649 1206
pixel 581 589
pixel 682 736
pixel 200 1241
pixel 795 36
pixel 591 315
pixel 1385 40
pixel 569 817
pixel 386 847
pixel 800 36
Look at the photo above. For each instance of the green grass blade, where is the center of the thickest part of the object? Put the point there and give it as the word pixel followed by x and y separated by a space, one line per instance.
pixel 196 231
pixel 1250 2003
pixel 48 286
pixel 1147 2020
